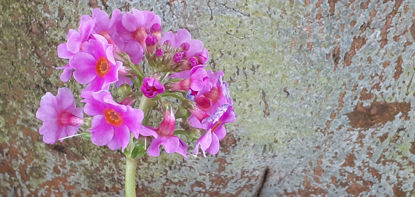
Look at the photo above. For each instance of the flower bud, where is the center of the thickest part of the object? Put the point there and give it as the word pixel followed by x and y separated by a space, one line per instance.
pixel 167 126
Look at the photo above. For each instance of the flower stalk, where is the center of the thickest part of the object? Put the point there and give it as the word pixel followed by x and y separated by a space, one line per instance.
pixel 131 163
pixel 130 171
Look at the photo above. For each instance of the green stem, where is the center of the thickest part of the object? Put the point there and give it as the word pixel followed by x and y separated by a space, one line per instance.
pixel 130 177
pixel 145 104
pixel 181 98
pixel 138 72
pixel 131 165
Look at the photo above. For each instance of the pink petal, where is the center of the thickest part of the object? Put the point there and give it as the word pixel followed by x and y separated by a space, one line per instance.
pixel 63 132
pixel 66 74
pixel 115 17
pixel 133 118
pixel 154 148
pixel 49 130
pixel 74 43
pixel 145 131
pixel 94 48
pixel 96 102
pixel 86 27
pixel 63 51
pixel 182 36
pixel 204 142
pixel 84 65
pixel 196 47
pixel 214 146
pixel 182 148
pixel 129 22
pixel 120 139
pixel 194 122
pixel 168 36
pixel 220 132
pixel 134 51
pixel 71 130
pixel 109 52
pixel 102 20
pixel 65 98
pixel 170 144
pixel 47 109
pixel 96 85
pixel 102 132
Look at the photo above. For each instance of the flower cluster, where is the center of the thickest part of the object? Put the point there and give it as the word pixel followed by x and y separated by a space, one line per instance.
pixel 109 51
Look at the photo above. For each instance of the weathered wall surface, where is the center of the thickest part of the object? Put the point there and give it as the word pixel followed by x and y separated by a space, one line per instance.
pixel 323 91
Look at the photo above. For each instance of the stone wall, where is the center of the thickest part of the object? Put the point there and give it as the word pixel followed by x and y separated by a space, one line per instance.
pixel 323 90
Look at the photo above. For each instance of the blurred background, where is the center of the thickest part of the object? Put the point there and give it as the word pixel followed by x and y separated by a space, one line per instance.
pixel 323 90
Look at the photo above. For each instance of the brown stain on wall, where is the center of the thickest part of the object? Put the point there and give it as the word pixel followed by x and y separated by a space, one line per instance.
pixel 357 44
pixel 398 68
pixel 332 4
pixel 377 113
pixel 388 22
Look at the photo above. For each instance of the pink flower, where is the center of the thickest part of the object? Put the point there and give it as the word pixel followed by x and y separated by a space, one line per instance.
pixel 198 81
pixel 96 65
pixel 112 122
pixel 214 108
pixel 133 30
pixel 59 114
pixel 215 130
pixel 74 44
pixel 193 50
pixel 151 87
pixel 163 135
pixel 104 25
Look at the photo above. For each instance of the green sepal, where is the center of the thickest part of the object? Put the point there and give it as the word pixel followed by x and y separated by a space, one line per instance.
pixel 124 90
pixel 138 151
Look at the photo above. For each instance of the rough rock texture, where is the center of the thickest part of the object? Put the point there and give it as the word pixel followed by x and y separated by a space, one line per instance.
pixel 323 91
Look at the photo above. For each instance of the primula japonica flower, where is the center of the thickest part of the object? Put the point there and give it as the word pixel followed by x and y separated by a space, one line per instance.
pixel 164 135
pixel 59 114
pixel 207 103
pixel 191 51
pixel 96 65
pixel 75 40
pixel 197 80
pixel 213 109
pixel 215 130
pixel 104 25
pixel 112 123
pixel 133 30
pixel 151 87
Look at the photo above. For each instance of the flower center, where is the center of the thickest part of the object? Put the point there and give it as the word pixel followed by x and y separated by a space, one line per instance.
pixel 140 35
pixel 202 102
pixel 214 94
pixel 102 67
pixel 68 119
pixel 112 117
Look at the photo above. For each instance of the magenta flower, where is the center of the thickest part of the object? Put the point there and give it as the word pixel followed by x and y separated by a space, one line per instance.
pixel 112 122
pixel 213 109
pixel 59 114
pixel 151 87
pixel 194 51
pixel 198 80
pixel 163 135
pixel 104 25
pixel 215 130
pixel 96 65
pixel 74 44
pixel 133 30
